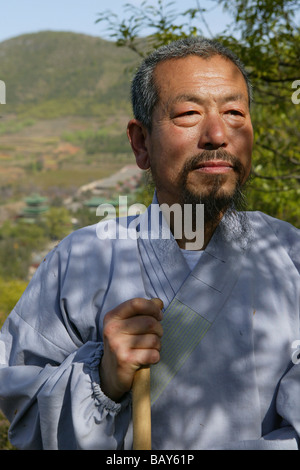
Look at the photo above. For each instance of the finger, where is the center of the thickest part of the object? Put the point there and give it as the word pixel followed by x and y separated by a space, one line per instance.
pixel 136 351
pixel 141 325
pixel 145 342
pixel 143 357
pixel 137 306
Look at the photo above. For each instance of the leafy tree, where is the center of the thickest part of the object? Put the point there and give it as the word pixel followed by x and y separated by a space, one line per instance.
pixel 4 442
pixel 17 241
pixel 10 292
pixel 57 223
pixel 265 34
pixel 160 20
pixel 270 47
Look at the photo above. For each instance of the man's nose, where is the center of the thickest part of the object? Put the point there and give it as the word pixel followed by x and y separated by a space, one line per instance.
pixel 213 133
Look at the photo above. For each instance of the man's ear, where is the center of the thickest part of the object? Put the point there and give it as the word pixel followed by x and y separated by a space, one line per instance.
pixel 137 134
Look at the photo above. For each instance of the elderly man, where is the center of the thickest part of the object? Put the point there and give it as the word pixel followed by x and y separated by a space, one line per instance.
pixel 222 342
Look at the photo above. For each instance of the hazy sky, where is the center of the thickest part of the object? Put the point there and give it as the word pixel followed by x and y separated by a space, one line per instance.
pixel 26 16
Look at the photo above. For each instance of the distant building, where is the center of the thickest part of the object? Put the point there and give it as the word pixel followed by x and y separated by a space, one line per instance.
pixel 35 207
pixel 95 202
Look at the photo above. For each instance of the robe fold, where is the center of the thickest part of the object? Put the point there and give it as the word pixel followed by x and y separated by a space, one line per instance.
pixel 229 374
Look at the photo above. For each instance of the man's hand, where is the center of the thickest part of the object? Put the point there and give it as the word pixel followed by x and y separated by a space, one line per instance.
pixel 131 334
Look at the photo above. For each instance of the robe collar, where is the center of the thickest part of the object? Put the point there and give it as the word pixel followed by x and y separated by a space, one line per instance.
pixel 164 268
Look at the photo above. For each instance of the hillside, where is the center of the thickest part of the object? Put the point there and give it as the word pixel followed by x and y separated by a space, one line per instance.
pixel 64 121
pixel 50 74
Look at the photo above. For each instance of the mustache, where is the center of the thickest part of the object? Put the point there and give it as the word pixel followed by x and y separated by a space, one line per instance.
pixel 209 155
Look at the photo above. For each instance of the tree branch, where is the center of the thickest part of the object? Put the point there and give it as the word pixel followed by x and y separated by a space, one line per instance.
pixel 277 177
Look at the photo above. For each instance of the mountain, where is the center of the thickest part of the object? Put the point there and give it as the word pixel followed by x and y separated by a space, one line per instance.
pixel 66 112
pixel 50 74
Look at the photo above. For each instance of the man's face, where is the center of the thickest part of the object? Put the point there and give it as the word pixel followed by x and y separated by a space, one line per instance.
pixel 201 138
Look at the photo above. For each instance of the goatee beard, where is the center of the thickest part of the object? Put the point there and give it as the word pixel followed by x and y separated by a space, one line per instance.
pixel 215 200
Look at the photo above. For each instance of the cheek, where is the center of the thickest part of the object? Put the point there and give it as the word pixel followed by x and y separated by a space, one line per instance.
pixel 170 148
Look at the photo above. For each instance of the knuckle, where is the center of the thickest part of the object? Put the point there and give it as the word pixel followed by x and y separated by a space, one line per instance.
pixel 137 304
pixel 156 343
pixel 108 329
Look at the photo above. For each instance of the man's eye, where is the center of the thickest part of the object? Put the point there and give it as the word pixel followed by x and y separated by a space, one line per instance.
pixel 234 112
pixel 186 118
pixel 188 113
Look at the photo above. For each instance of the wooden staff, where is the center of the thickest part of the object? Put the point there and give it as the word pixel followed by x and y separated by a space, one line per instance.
pixel 141 405
pixel 141 410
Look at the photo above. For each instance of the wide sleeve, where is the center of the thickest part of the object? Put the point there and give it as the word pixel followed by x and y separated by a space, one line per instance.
pixel 49 382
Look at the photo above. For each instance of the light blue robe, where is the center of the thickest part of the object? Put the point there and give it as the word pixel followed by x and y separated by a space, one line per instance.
pixel 229 377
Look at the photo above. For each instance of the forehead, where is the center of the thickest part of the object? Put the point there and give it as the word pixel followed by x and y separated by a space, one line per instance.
pixel 194 75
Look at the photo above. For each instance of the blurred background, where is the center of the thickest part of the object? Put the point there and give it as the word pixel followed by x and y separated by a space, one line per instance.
pixel 65 71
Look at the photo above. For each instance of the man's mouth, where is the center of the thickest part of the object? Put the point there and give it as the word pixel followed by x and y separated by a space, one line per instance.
pixel 214 166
